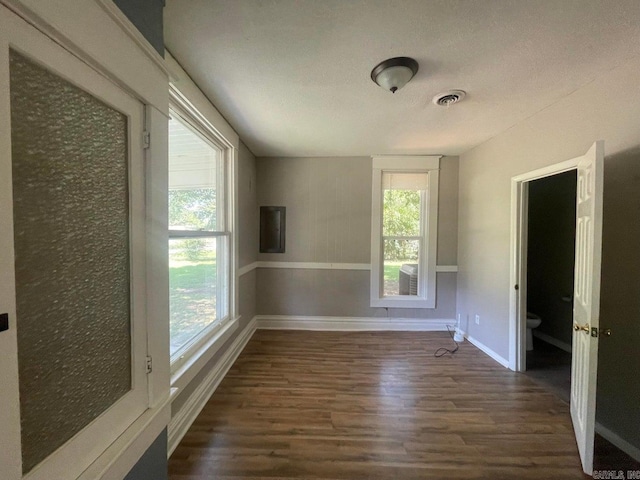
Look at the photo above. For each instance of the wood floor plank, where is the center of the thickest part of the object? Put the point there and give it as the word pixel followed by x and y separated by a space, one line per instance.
pixel 375 405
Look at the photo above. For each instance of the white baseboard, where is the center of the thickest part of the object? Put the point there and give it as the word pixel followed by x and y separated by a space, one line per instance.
pixel 293 322
pixel 626 447
pixel 181 422
pixel 553 341
pixel 488 351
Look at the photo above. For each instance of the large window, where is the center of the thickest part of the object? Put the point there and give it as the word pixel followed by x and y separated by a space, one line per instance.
pixel 199 236
pixel 405 196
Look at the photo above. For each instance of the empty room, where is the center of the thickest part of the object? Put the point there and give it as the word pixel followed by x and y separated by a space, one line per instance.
pixel 319 239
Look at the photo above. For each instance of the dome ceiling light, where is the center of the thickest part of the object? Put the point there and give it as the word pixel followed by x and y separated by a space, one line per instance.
pixel 394 73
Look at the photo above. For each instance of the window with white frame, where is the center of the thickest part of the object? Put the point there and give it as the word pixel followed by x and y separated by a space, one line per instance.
pixel 404 231
pixel 199 235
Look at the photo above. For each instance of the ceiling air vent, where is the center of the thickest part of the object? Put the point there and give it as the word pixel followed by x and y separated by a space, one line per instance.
pixel 447 99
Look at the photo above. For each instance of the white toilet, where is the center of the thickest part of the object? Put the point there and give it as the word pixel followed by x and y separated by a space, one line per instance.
pixel 533 321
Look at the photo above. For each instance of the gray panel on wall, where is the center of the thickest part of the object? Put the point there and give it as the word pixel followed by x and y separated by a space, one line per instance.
pixel 146 15
pixel 71 232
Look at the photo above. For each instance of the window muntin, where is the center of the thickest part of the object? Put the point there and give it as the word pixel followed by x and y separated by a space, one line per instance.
pixel 199 244
pixel 403 237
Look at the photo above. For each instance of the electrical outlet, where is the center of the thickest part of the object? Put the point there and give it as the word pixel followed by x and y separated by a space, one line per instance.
pixel 477 319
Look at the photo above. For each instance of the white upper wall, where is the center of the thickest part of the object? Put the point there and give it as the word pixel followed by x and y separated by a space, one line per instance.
pixel 607 108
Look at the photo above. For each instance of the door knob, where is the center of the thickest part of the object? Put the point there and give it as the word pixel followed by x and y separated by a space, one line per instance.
pixel 584 328
pixel 605 332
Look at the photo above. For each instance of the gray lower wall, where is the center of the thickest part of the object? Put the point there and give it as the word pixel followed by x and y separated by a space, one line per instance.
pixel 618 407
pixel 328 204
pixel 550 253
pixel 153 463
pixel 339 293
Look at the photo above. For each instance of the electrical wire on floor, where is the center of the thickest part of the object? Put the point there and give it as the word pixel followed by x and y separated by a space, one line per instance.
pixel 443 350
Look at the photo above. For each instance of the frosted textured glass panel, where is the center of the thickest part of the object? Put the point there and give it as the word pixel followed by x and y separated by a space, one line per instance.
pixel 71 221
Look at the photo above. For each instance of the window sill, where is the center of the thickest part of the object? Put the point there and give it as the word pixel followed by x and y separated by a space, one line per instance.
pixel 195 361
pixel 403 302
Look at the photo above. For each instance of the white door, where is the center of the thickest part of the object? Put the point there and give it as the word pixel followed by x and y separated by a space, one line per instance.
pixel 586 305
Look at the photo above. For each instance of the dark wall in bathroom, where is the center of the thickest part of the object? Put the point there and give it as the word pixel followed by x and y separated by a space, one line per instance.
pixel 550 254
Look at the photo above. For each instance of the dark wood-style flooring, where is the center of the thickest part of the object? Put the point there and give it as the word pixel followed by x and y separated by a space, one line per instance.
pixel 356 405
pixel 550 367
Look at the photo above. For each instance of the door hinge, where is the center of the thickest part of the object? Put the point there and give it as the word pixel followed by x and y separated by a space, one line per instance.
pixel 149 364
pixel 146 139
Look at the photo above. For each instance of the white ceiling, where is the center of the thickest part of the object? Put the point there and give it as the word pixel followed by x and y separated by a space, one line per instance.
pixel 293 76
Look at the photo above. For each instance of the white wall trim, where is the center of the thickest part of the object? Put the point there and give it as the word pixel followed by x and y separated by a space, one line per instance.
pixel 247 268
pixel 622 444
pixel 325 266
pixel 446 268
pixel 181 422
pixel 553 341
pixel 349 324
pixel 502 361
pixel 316 265
pixel 191 97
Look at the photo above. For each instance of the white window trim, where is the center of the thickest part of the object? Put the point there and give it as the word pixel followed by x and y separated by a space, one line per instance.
pixel 189 359
pixel 408 164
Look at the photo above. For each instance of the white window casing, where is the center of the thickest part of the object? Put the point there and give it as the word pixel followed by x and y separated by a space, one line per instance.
pixel 187 359
pixel 386 166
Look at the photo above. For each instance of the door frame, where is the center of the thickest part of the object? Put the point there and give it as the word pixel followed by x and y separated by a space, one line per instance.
pixel 518 258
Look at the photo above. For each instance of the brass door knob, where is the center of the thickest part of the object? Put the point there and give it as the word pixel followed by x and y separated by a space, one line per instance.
pixel 584 328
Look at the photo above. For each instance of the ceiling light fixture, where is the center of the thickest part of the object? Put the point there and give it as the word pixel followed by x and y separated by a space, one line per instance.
pixel 394 73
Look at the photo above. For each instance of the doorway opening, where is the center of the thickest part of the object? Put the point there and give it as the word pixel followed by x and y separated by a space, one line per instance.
pixel 546 216
pixel 550 265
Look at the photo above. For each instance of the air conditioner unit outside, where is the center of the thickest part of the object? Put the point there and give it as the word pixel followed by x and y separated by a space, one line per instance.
pixel 408 279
